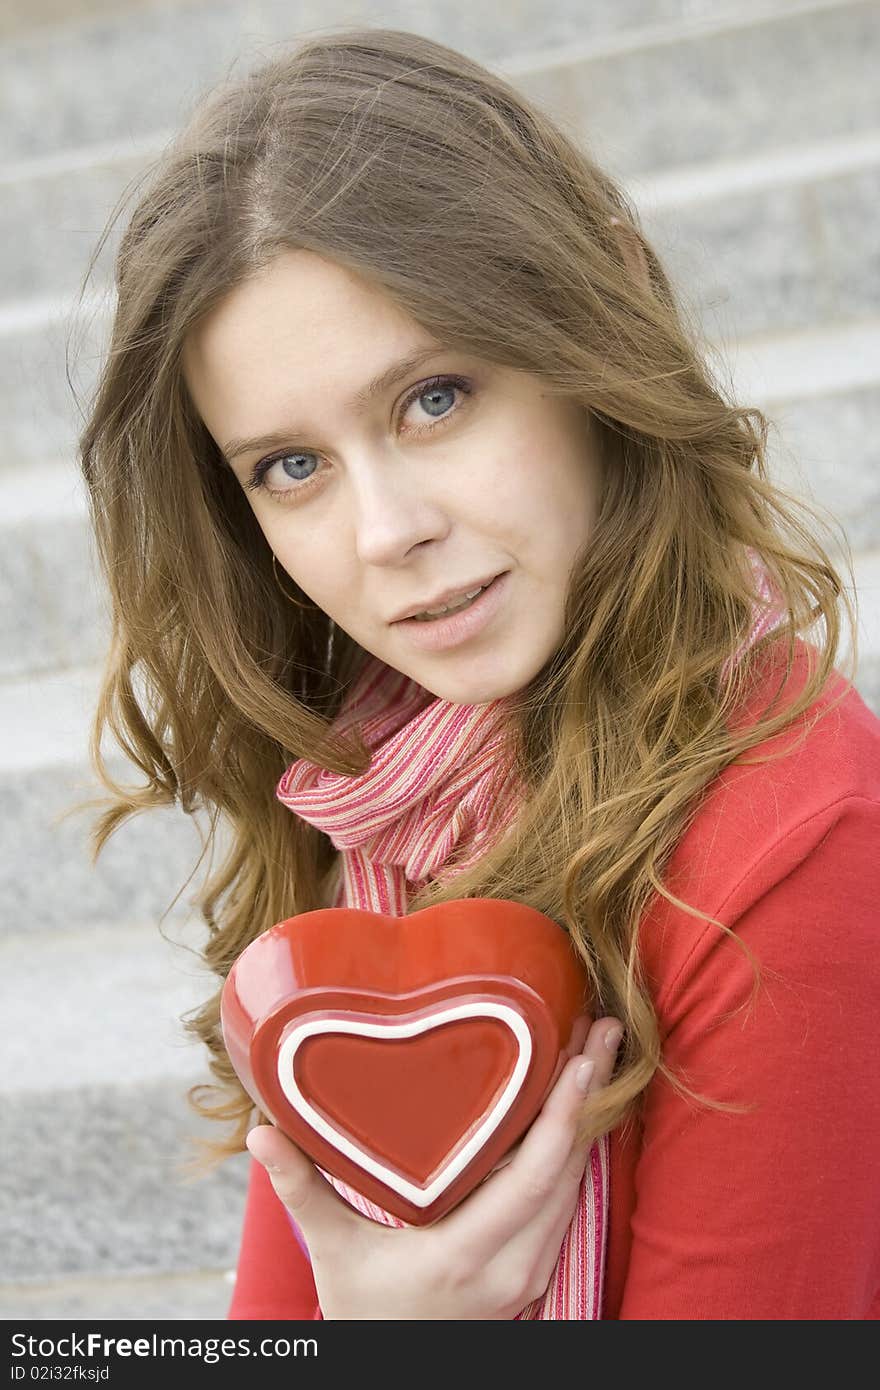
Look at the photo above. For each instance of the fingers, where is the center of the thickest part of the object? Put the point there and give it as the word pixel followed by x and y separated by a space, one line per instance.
pixel 548 1145
pixel 318 1209
pixel 600 1050
pixel 550 1139
pixel 545 1170
pixel 581 1077
pixel 591 1051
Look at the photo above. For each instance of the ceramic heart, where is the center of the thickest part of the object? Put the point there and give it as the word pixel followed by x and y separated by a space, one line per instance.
pixel 405 1055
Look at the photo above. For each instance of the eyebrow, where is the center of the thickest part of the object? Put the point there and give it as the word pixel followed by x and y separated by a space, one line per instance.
pixel 379 384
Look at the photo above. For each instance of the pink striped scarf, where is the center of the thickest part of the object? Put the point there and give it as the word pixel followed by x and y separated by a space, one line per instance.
pixel 438 792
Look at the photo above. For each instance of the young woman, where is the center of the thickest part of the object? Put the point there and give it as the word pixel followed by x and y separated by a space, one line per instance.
pixel 385 339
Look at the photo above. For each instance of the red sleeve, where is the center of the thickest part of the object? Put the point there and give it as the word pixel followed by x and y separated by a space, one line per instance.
pixel 772 1214
pixel 274 1276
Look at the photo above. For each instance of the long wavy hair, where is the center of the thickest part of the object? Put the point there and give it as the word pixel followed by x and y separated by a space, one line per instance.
pixel 393 155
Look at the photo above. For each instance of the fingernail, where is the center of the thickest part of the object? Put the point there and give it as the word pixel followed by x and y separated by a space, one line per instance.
pixel 584 1076
pixel 612 1037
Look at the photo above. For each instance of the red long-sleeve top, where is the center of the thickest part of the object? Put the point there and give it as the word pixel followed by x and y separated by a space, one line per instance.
pixel 772 1213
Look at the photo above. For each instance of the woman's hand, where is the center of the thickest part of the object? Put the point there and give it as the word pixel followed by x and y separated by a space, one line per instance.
pixel 489 1256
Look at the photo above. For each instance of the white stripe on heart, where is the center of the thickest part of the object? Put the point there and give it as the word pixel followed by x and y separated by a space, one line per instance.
pixel 418 1195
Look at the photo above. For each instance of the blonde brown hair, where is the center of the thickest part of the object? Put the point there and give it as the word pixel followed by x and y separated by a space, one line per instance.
pixel 425 173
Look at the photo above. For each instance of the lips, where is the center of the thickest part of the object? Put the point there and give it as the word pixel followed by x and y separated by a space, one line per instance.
pixel 405 1055
pixel 460 625
pixel 450 597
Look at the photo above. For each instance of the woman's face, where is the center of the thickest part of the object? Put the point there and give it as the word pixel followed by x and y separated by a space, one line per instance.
pixel 386 472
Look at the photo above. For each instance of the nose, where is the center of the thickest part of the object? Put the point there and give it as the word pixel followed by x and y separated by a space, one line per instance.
pixel 394 509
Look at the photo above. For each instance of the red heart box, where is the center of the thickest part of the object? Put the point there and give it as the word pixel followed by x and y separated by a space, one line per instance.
pixel 405 1055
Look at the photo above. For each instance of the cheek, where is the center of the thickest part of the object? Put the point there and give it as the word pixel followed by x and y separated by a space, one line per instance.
pixel 283 539
pixel 508 486
pixel 320 570
pixel 539 490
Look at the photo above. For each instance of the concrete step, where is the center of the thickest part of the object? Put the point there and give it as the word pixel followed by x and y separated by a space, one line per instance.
pixel 798 254
pixel 53 613
pixel 204 1295
pixel 745 84
pixel 107 1000
pixel 795 253
pixel 93 1186
pixel 148 869
pixel 142 70
pixel 96 1127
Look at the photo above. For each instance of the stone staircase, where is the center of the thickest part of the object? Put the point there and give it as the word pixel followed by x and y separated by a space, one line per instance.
pixel 749 136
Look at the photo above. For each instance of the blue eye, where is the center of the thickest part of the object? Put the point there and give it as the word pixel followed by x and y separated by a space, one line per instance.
pixel 291 463
pixel 438 398
pixel 288 459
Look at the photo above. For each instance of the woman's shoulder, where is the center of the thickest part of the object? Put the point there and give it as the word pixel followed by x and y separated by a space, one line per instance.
pixel 838 732
pixel 801 809
pixel 827 755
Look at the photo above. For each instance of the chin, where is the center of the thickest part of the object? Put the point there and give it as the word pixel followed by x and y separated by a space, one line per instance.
pixel 468 687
